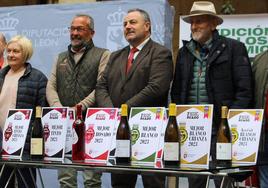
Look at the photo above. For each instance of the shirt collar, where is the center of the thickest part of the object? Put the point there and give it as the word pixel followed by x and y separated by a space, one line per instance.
pixel 142 44
pixel 80 51
pixel 208 43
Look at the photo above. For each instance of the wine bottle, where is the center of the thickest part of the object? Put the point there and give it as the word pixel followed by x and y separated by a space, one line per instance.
pixel 37 139
pixel 123 149
pixel 224 142
pixel 172 139
pixel 78 146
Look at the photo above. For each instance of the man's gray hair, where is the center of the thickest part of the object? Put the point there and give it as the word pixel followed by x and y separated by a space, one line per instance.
pixel 144 14
pixel 91 20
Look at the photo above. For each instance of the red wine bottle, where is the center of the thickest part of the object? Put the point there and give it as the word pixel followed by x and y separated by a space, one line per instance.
pixel 78 147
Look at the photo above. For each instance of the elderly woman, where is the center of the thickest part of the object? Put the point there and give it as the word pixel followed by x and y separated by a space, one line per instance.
pixel 21 86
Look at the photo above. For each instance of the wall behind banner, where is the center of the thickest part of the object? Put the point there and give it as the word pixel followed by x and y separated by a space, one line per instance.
pixel 49 28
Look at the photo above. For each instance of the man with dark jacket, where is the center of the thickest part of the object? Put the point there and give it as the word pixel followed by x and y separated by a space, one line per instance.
pixel 211 69
pixel 73 80
pixel 259 68
pixel 138 75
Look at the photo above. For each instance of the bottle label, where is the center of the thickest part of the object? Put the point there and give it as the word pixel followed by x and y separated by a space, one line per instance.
pixel 36 146
pixel 122 148
pixel 224 151
pixel 75 137
pixel 171 151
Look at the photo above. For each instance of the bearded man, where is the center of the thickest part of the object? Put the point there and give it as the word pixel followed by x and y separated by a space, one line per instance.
pixel 211 69
pixel 73 80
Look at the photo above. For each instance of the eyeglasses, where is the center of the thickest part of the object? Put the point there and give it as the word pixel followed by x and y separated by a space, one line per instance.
pixel 78 29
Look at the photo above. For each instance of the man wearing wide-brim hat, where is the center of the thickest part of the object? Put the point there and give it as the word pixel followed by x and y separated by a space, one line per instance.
pixel 211 69
pixel 203 8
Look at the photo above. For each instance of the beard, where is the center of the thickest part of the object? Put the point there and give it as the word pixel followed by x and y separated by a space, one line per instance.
pixel 78 43
pixel 201 36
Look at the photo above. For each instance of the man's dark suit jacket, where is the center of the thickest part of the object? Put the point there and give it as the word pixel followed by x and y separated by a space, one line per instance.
pixel 147 82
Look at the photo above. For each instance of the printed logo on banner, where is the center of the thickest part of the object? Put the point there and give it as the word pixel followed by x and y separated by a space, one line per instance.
pixel 183 131
pixel 90 133
pixel 8 25
pixel 46 132
pixel 115 37
pixel 8 132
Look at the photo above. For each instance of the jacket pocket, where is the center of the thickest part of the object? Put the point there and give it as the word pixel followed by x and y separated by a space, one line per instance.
pixel 221 68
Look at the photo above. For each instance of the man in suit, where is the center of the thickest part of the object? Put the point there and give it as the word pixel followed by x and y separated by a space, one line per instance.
pixel 143 81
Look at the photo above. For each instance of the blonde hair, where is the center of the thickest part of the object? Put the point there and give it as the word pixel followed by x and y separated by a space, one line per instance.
pixel 25 44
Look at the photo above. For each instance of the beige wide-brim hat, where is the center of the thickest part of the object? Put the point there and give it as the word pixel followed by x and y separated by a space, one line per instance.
pixel 203 8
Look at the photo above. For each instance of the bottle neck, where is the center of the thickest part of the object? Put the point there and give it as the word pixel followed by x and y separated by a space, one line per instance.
pixel 224 112
pixel 172 117
pixel 38 112
pixel 223 120
pixel 79 112
pixel 124 118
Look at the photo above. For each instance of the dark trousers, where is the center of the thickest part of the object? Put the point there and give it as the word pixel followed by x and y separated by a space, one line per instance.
pixel 25 172
pixel 129 181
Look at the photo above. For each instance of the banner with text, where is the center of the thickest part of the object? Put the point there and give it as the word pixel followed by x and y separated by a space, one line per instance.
pixel 195 124
pixel 54 122
pixel 245 126
pixel 251 29
pixel 15 132
pixel 99 131
pixel 146 124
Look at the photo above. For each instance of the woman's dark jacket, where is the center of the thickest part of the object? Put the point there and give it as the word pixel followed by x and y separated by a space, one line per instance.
pixel 31 90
